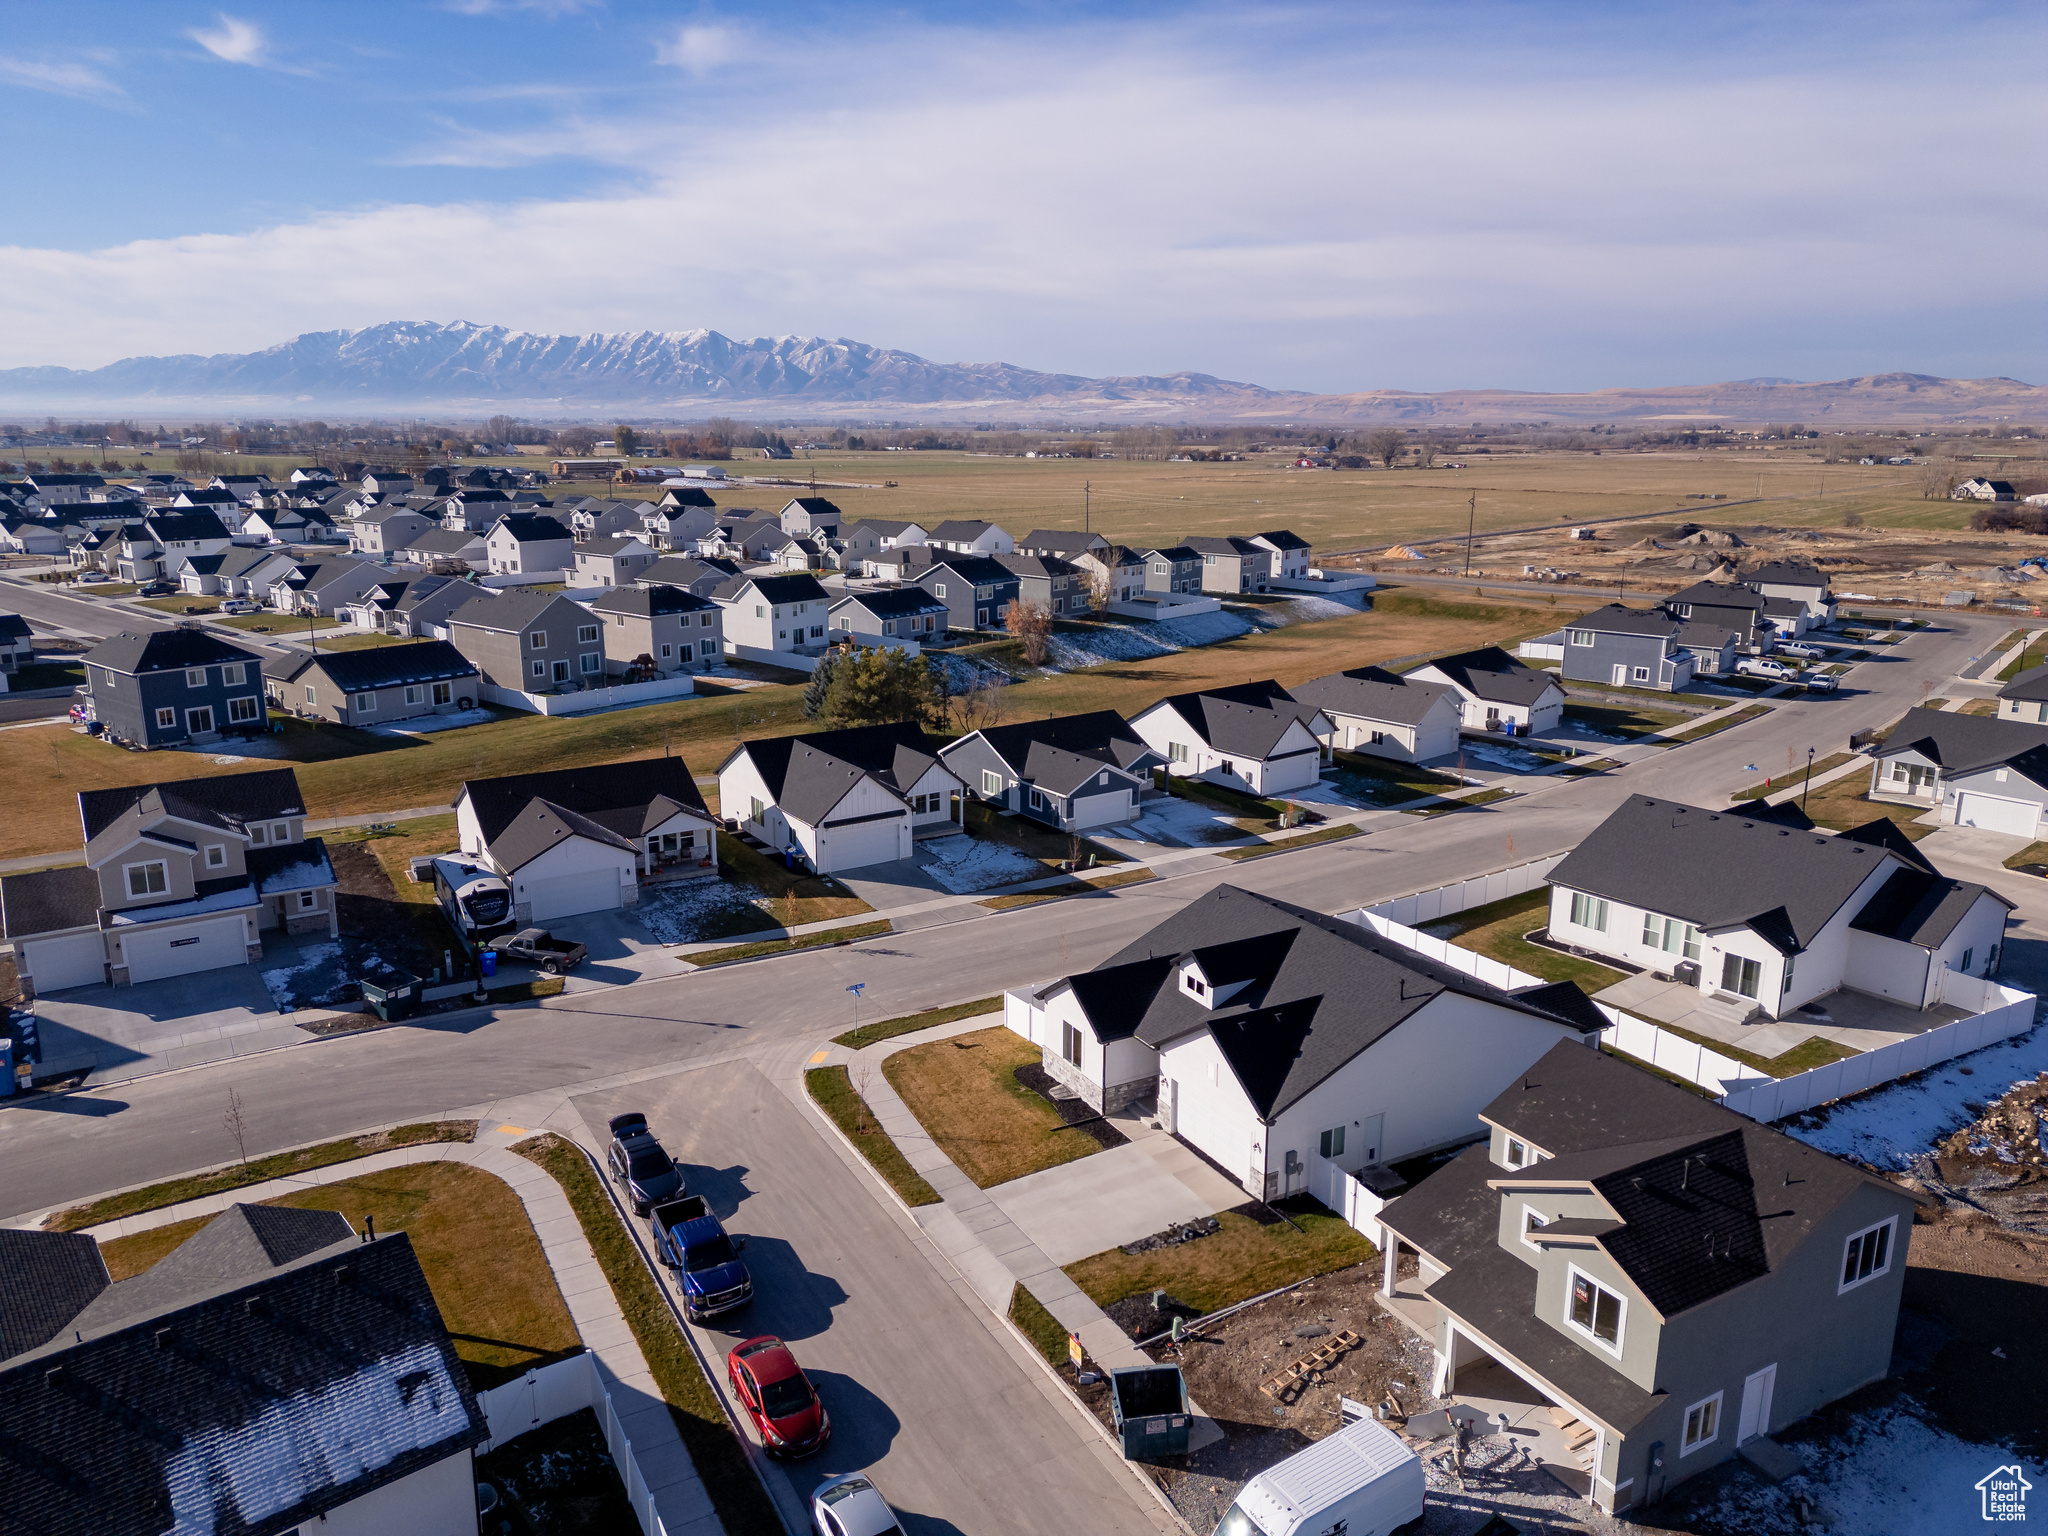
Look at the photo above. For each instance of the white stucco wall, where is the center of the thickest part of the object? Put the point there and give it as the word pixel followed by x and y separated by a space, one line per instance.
pixel 1981 931
pixel 1887 968
pixel 1211 1110
pixel 439 1500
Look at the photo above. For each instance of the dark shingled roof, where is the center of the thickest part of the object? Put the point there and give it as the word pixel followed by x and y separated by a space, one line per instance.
pixel 49 901
pixel 231 800
pixel 46 1279
pixel 808 775
pixel 383 666
pixel 1885 833
pixel 1964 743
pixel 651 601
pixel 816 506
pixel 796 587
pixel 1372 693
pixel 959 530
pixel 1786 573
pixel 164 650
pixel 1491 673
pixel 2030 684
pixel 979 569
pixel 893 602
pixel 591 792
pixel 1280 538
pixel 1616 618
pixel 531 528
pixel 1916 907
pixel 1037 565
pixel 1245 720
pixel 1718 594
pixel 1063 753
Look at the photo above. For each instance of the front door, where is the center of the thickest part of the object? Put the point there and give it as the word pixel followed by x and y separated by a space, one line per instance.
pixel 1370 1130
pixel 1620 675
pixel 1756 1404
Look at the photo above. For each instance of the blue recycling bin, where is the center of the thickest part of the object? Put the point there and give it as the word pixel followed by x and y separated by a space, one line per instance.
pixel 487 962
pixel 6 1069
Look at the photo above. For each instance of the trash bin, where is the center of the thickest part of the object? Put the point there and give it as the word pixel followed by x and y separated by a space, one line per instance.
pixel 487 962
pixel 6 1069
pixel 1150 1406
pixel 396 997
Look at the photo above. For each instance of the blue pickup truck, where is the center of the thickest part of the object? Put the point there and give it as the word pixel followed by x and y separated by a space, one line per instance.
pixel 689 1240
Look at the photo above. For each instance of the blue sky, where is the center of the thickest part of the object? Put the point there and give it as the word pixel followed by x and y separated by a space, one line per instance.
pixel 1332 198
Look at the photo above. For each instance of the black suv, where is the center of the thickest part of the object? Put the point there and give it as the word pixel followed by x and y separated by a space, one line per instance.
pixel 637 1161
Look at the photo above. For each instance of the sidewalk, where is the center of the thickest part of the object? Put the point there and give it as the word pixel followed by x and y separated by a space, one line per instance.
pixel 679 1494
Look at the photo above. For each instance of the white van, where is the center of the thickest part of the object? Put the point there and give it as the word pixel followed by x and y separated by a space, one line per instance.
pixel 1361 1481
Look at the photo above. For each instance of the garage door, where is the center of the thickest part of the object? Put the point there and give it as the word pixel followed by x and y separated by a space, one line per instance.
pixel 594 890
pixel 76 961
pixel 181 951
pixel 1995 815
pixel 865 842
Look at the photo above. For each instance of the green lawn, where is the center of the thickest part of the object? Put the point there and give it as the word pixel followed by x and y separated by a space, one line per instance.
pixel 1044 1331
pixel 2033 656
pixel 1846 803
pixel 1496 930
pixel 1239 1261
pixel 1794 776
pixel 911 1023
pixel 1446 807
pixel 832 1089
pixel 785 946
pixel 45 674
pixel 1803 1057
pixel 1384 781
pixel 2033 853
pixel 1284 844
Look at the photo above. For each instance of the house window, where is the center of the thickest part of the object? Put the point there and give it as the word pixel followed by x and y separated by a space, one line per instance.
pixel 938 589
pixel 1962 965
pixel 757 813
pixel 1533 1221
pixel 591 662
pixel 364 703
pixel 167 719
pixel 307 901
pixel 667 650
pixel 1379 738
pixel 216 856
pixel 414 694
pixel 1517 1153
pixel 151 879
pixel 540 669
pixel 1037 800
pixel 1740 976
pixel 1867 1255
pixel 1581 636
pixel 1332 1142
pixel 586 633
pixel 1595 1311
pixel 1589 912
pixel 1702 1425
pixel 537 640
pixel 1176 752
pixel 703 621
pixel 991 783
pixel 561 671
pixel 1070 1044
pixel 246 710
pixel 1671 936
pixel 231 676
pixel 1642 674
pixel 310 698
pixel 199 721
pixel 195 677
pixel 256 834
pixel 708 647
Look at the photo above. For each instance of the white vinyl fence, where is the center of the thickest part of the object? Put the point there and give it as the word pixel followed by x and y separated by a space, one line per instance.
pixel 1495 973
pixel 554 1392
pixel 1347 1197
pixel 1675 1054
pixel 1449 900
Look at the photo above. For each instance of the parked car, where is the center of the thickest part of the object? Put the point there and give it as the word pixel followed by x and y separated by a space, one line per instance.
pixel 638 1161
pixel 238 605
pixel 1817 682
pixel 1763 666
pixel 709 1271
pixel 850 1505
pixel 1800 648
pixel 778 1397
pixel 551 954
pixel 157 588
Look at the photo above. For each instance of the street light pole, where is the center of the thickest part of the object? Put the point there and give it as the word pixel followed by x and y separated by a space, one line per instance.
pixel 1809 780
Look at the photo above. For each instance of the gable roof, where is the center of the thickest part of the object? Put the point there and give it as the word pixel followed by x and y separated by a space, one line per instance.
pixel 46 1279
pixel 1180 554
pixel 229 801
pixel 810 774
pixel 1280 538
pixel 1619 619
pixel 687 570
pixel 1491 673
pixel 48 901
pixel 1061 541
pixel 164 650
pixel 1787 573
pixel 612 544
pixel 1318 991
pixel 382 666
pixel 595 791
pixel 2030 684
pixel 1966 743
pixel 513 611
pixel 650 601
pixel 1244 720
pixel 445 541
pixel 979 569
pixel 531 528
pixel 893 602
pixel 1064 753
pixel 792 587
pixel 1916 906
pixel 1719 594
pixel 1037 565
pixel 1225 545
pixel 169 527
pixel 1372 693
pixel 960 530
pixel 815 506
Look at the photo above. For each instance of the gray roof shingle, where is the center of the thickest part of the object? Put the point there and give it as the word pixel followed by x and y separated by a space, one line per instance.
pixel 1491 673
pixel 164 650
pixel 1966 743
pixel 1244 720
pixel 1372 693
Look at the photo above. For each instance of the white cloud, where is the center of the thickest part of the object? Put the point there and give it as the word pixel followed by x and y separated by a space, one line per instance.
pixel 700 47
pixel 234 40
pixel 549 8
pixel 65 79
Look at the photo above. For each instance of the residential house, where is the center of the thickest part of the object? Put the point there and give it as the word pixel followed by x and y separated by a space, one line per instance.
pixel 1055 586
pixel 1640 648
pixel 161 484
pixel 970 536
pixel 678 527
pixel 530 642
pixel 1061 542
pixel 1267 1035
pixel 58 490
pixel 1290 554
pixel 162 542
pixel 179 877
pixel 858 544
pixel 582 840
pixel 448 551
pixel 606 519
pixel 1071 772
pixel 381 531
pixel 326 586
pixel 379 483
pixel 378 686
pixel 1979 489
pixel 1253 737
pixel 172 687
pixel 180 1387
pixel 1675 1280
pixel 840 800
pixel 371 612
pixel 904 618
pixel 234 572
pixel 1496 691
pixel 222 504
pixel 32 536
pixel 1982 771
pixel 684 498
pixel 313 475
pixel 529 544
pixel 612 560
pixel 1724 605
pixel 663 627
pixel 1117 573
pixel 1231 564
pixel 1792 582
pixel 774 613
pixel 1768 918
pixel 474 509
pixel 280 525
pixel 977 591
pixel 2025 698
pixel 247 489
pixel 1177 569
pixel 810 515
pixel 1385 714
pixel 751 541
pixel 17 645
pixel 701 574
pixel 896 565
pixel 424 608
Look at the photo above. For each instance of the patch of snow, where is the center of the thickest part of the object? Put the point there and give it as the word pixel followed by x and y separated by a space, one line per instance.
pixel 966 672
pixel 1102 644
pixel 220 901
pixel 1184 823
pixel 1202 629
pixel 1895 1125
pixel 261 746
pixel 1580 728
pixel 694 910
pixel 426 725
pixel 966 864
pixel 1511 758
pixel 320 977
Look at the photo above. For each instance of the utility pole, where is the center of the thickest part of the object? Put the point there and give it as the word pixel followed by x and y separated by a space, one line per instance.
pixel 1471 518
pixel 1087 506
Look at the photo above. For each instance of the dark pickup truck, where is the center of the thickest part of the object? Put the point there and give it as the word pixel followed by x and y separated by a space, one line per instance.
pixel 689 1240
pixel 542 948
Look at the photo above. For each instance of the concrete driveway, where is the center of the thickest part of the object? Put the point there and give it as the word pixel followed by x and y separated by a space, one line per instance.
pixel 899 883
pixel 621 950
pixel 153 1026
pixel 1115 1196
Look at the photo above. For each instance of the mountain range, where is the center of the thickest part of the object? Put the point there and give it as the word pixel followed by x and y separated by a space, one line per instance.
pixel 475 370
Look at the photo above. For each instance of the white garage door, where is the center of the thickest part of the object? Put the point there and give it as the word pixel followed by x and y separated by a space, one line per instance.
pixel 594 890
pixel 77 961
pixel 865 842
pixel 1995 815
pixel 181 951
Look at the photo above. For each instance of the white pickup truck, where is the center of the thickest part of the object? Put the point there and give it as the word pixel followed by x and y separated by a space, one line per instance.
pixel 1763 666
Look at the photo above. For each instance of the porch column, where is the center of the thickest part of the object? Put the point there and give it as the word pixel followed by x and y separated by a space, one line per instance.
pixel 1390 1259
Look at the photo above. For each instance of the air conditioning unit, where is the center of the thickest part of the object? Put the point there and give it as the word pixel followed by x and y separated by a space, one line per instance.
pixel 1687 971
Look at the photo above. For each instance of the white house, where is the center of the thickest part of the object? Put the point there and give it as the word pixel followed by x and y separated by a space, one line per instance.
pixel 1384 714
pixel 841 800
pixel 1981 771
pixel 971 536
pixel 1254 737
pixel 1790 581
pixel 774 613
pixel 1768 917
pixel 584 839
pixel 528 544
pixel 2025 698
pixel 1269 1035
pixel 1495 690
pixel 612 560
pixel 1290 554
pixel 1977 488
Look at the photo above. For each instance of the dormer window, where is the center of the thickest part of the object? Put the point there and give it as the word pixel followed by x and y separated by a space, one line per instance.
pixel 1594 1311
pixel 1517 1155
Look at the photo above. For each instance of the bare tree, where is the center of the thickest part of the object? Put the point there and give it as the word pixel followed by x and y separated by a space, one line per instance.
pixel 1385 444
pixel 980 706
pixel 231 1122
pixel 1100 591
pixel 1030 625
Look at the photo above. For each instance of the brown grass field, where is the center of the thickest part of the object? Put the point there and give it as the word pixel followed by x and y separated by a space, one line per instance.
pixel 347 773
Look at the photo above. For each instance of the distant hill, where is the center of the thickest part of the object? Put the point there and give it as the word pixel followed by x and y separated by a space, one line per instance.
pixel 467 369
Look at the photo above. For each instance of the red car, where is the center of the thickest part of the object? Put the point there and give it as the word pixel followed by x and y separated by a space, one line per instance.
pixel 778 1397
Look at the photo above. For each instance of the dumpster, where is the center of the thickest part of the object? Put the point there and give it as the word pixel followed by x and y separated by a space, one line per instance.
pixel 1150 1406
pixel 397 996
